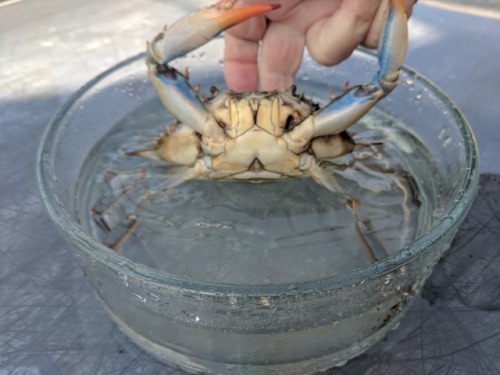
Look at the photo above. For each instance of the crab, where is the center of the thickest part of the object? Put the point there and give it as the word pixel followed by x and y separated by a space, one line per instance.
pixel 258 136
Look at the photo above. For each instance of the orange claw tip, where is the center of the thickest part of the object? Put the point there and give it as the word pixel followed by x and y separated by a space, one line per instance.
pixel 230 17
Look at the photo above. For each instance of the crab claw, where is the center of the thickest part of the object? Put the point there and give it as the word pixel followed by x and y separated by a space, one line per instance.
pixel 344 110
pixel 393 47
pixel 173 88
pixel 199 28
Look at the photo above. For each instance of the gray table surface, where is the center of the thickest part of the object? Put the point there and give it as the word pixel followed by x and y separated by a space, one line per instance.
pixel 50 322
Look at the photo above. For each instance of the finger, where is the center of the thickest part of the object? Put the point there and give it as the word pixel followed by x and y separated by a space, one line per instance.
pixel 373 36
pixel 240 64
pixel 332 39
pixel 284 41
pixel 241 50
pixel 281 56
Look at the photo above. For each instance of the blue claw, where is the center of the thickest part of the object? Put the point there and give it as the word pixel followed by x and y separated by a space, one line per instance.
pixel 393 46
pixel 178 96
pixel 344 110
pixel 173 88
pixel 199 28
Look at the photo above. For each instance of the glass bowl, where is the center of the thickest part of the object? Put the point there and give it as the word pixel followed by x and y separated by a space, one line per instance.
pixel 292 322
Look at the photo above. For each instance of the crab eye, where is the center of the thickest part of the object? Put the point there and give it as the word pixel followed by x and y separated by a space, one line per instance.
pixel 289 123
pixel 292 121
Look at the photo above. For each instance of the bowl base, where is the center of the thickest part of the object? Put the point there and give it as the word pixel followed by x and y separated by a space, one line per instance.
pixel 196 365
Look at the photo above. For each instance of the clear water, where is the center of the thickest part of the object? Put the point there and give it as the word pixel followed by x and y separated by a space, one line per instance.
pixel 243 233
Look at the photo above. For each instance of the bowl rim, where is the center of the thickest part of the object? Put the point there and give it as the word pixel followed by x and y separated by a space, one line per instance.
pixel 70 229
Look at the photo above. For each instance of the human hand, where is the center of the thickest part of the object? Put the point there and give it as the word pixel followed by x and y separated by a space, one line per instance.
pixel 330 29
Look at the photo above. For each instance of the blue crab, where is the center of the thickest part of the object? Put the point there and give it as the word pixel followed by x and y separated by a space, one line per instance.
pixel 258 136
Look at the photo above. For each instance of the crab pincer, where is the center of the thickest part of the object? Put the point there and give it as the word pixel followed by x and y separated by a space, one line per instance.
pixel 345 109
pixel 195 30
pixel 173 88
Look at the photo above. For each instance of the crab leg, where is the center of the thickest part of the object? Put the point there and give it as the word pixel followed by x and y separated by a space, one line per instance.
pixel 117 230
pixel 116 236
pixel 173 88
pixel 367 236
pixel 107 202
pixel 344 110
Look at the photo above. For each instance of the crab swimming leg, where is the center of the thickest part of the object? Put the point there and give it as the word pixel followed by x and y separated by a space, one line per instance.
pixel 118 228
pixel 367 236
pixel 347 108
pixel 173 88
